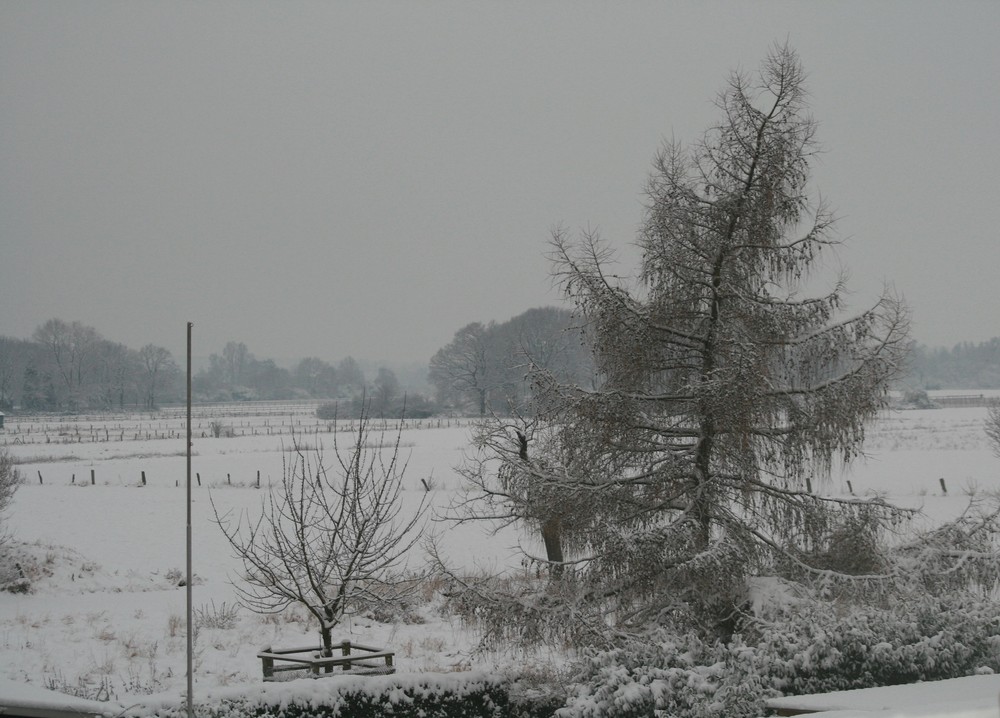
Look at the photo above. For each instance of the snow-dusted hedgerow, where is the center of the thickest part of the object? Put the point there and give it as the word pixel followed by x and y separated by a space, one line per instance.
pixel 425 695
pixel 801 648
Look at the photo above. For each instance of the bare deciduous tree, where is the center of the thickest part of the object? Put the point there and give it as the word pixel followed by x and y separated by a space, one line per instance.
pixel 385 390
pixel 333 540
pixel 316 377
pixel 158 368
pixel 467 368
pixel 70 348
pixel 235 357
pixel 489 365
pixel 117 371
pixel 15 356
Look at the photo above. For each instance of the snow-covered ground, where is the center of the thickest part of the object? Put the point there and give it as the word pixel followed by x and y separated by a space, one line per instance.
pixel 106 615
pixel 968 697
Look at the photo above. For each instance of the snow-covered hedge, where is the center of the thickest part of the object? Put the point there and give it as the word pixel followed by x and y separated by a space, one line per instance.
pixel 804 648
pixel 425 695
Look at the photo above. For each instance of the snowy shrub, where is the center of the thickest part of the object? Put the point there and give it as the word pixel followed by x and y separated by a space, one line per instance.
pixel 223 617
pixel 916 399
pixel 537 687
pixel 851 547
pixel 220 430
pixel 327 411
pixel 960 555
pixel 13 578
pixel 676 676
pixel 811 647
pixel 917 639
pixel 402 696
pixel 10 479
pixel 102 691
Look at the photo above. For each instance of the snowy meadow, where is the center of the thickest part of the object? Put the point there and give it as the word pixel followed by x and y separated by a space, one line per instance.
pixel 99 530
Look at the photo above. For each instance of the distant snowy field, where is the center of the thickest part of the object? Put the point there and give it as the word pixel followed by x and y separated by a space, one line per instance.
pixel 106 614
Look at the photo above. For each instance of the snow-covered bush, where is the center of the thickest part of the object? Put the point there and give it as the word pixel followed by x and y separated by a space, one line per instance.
pixel 922 638
pixel 328 411
pixel 916 399
pixel 853 611
pixel 223 617
pixel 427 695
pixel 793 649
pixel 218 429
pixel 851 545
pixel 10 479
pixel 958 556
pixel 12 576
pixel 679 676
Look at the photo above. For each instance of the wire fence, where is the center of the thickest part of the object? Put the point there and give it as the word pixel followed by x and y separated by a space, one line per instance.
pixel 221 420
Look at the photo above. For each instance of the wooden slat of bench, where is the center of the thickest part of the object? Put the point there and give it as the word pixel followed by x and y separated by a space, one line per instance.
pixel 358 646
pixel 283 651
pixel 292 659
pixel 307 659
pixel 281 669
pixel 324 660
pixel 376 671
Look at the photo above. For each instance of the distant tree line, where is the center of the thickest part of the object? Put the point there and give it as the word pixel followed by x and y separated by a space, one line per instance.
pixel 486 368
pixel 236 374
pixel 964 366
pixel 69 366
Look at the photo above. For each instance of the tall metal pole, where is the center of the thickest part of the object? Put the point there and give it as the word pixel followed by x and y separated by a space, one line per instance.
pixel 190 577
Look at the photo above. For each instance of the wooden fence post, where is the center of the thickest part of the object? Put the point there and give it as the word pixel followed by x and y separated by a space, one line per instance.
pixel 92 480
pixel 267 663
pixel 345 649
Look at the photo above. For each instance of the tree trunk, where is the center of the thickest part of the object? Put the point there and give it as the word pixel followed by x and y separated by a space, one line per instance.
pixel 326 634
pixel 551 527
pixel 552 536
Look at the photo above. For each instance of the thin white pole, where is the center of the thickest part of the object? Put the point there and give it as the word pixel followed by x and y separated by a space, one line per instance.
pixel 190 612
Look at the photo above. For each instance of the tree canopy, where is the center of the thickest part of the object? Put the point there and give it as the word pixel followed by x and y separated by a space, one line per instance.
pixel 725 395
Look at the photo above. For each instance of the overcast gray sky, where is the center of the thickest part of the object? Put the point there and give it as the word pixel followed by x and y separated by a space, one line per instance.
pixel 364 178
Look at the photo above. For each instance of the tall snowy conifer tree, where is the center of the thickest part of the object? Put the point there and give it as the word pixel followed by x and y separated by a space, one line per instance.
pixel 725 396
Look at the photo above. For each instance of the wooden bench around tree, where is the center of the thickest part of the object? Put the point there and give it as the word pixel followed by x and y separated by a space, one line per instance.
pixel 353 659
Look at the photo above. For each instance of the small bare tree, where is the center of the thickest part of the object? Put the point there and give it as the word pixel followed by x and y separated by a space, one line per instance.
pixel 332 541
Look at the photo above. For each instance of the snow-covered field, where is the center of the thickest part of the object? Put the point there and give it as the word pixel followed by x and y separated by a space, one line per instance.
pixel 106 615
